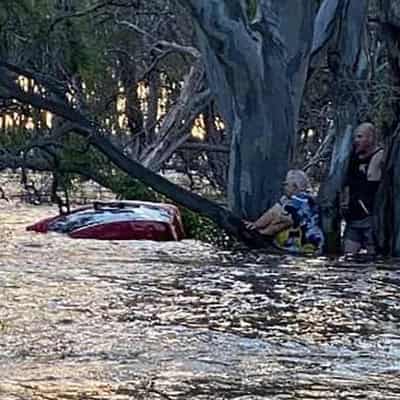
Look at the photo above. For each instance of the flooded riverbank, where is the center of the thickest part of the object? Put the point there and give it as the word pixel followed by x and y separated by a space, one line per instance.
pixel 83 319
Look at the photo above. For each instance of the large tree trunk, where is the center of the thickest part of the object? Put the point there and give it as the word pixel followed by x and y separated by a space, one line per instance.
pixel 347 60
pixel 388 206
pixel 257 70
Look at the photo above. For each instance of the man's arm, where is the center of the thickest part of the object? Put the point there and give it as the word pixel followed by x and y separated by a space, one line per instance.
pixel 345 195
pixel 375 167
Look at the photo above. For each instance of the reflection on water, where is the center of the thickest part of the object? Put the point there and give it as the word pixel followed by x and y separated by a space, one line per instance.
pixel 82 319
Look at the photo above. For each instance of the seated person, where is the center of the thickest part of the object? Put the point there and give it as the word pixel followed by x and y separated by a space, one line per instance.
pixel 294 221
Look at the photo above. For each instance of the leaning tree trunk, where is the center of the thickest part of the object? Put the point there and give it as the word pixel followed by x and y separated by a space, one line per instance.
pixel 388 206
pixel 257 70
pixel 97 137
pixel 345 33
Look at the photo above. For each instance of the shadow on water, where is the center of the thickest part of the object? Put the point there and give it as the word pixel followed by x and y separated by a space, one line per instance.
pixel 142 320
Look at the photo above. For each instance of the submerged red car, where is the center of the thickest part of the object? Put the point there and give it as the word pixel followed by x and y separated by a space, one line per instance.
pixel 122 220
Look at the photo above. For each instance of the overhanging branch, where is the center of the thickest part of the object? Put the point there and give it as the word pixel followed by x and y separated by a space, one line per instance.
pixel 221 216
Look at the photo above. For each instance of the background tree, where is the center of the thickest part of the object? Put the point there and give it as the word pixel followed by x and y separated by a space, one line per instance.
pixel 347 58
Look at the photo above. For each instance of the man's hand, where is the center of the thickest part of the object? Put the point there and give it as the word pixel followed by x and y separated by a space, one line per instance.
pixel 250 225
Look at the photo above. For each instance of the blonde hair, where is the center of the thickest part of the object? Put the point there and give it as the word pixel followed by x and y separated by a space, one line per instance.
pixel 299 178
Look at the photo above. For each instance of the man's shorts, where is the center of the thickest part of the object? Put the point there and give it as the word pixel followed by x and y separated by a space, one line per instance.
pixel 360 231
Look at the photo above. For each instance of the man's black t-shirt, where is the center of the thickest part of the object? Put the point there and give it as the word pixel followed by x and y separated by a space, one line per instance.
pixel 362 191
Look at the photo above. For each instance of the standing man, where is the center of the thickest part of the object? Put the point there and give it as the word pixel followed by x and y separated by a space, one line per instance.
pixel 362 182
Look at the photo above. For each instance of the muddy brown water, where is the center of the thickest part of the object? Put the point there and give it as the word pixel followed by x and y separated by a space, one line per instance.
pixel 83 319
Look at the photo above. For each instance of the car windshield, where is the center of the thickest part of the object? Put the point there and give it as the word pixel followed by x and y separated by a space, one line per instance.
pixel 68 223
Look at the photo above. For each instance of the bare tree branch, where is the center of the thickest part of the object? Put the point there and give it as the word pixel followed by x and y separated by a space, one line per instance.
pixel 205 147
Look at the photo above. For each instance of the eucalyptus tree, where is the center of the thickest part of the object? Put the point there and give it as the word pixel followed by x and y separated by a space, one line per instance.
pixel 389 205
pixel 347 56
pixel 256 55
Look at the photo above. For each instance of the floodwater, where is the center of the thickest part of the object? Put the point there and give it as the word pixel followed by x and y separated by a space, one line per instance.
pixel 82 319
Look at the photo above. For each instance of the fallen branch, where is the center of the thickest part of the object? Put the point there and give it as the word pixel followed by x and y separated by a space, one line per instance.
pixel 224 218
